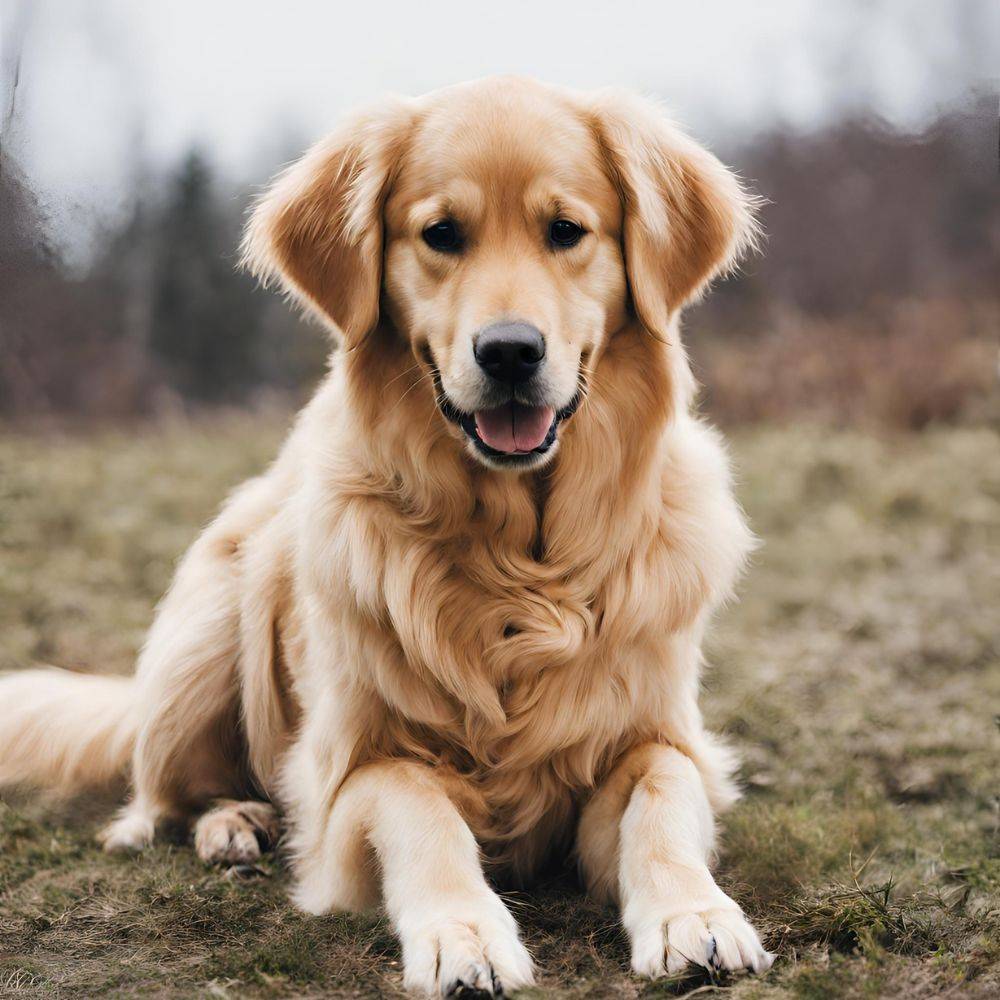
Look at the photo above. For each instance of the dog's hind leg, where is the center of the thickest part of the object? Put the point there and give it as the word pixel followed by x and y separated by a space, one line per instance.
pixel 187 753
pixel 190 747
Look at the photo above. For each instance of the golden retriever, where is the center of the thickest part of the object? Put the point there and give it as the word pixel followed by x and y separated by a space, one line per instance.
pixel 456 628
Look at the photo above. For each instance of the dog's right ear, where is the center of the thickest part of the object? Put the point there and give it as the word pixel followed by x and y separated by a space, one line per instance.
pixel 318 227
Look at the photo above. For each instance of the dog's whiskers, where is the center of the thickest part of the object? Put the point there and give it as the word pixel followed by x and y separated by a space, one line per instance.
pixel 408 390
pixel 406 371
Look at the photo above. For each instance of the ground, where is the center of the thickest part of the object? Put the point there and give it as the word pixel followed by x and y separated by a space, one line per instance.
pixel 859 673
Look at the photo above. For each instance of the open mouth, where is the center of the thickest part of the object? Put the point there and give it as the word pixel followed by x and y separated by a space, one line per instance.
pixel 512 429
pixel 513 433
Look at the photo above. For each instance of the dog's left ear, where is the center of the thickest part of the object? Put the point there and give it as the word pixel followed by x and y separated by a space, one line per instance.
pixel 318 228
pixel 687 217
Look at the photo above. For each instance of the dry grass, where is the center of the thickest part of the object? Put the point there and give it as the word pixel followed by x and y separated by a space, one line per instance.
pixel 859 673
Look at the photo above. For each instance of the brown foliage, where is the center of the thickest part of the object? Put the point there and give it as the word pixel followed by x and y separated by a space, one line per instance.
pixel 914 363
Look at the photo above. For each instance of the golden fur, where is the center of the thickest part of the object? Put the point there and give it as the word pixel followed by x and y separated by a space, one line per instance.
pixel 412 652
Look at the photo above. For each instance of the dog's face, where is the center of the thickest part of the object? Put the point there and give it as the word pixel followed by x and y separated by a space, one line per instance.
pixel 503 265
pixel 506 230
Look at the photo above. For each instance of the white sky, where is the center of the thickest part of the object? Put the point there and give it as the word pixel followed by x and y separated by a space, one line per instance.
pixel 248 80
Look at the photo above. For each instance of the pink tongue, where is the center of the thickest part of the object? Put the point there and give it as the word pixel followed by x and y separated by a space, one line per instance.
pixel 514 427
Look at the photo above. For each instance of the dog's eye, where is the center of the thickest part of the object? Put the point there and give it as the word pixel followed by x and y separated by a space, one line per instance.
pixel 563 233
pixel 443 236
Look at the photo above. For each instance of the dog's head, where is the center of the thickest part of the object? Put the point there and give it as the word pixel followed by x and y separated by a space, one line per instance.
pixel 507 230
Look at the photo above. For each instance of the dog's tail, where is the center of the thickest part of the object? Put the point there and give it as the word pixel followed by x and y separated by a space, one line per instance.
pixel 65 731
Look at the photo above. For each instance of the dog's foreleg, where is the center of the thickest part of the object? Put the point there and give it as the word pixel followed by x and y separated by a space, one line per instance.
pixel 458 938
pixel 651 826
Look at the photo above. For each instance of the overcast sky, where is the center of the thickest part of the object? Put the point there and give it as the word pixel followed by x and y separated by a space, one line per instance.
pixel 249 80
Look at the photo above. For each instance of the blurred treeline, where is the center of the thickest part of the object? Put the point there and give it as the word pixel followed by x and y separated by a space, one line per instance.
pixel 161 318
pixel 876 299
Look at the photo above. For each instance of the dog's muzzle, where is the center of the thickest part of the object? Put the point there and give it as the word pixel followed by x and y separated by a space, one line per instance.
pixel 511 355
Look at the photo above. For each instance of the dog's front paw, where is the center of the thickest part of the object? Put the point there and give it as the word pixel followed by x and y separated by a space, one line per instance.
pixel 473 956
pixel 718 938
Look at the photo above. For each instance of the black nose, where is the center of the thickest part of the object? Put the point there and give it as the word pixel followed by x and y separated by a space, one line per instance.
pixel 510 352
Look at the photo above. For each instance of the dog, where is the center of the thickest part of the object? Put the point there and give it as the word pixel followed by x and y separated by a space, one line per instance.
pixel 455 629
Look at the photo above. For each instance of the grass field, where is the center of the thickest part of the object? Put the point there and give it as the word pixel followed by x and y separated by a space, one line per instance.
pixel 859 673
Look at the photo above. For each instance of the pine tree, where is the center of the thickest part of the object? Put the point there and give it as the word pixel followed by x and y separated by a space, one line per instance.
pixel 204 329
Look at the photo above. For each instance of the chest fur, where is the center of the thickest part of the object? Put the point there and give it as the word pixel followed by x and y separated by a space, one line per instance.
pixel 507 661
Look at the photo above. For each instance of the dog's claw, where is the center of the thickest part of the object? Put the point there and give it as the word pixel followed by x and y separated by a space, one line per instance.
pixel 244 871
pixel 468 988
pixel 718 939
pixel 463 991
